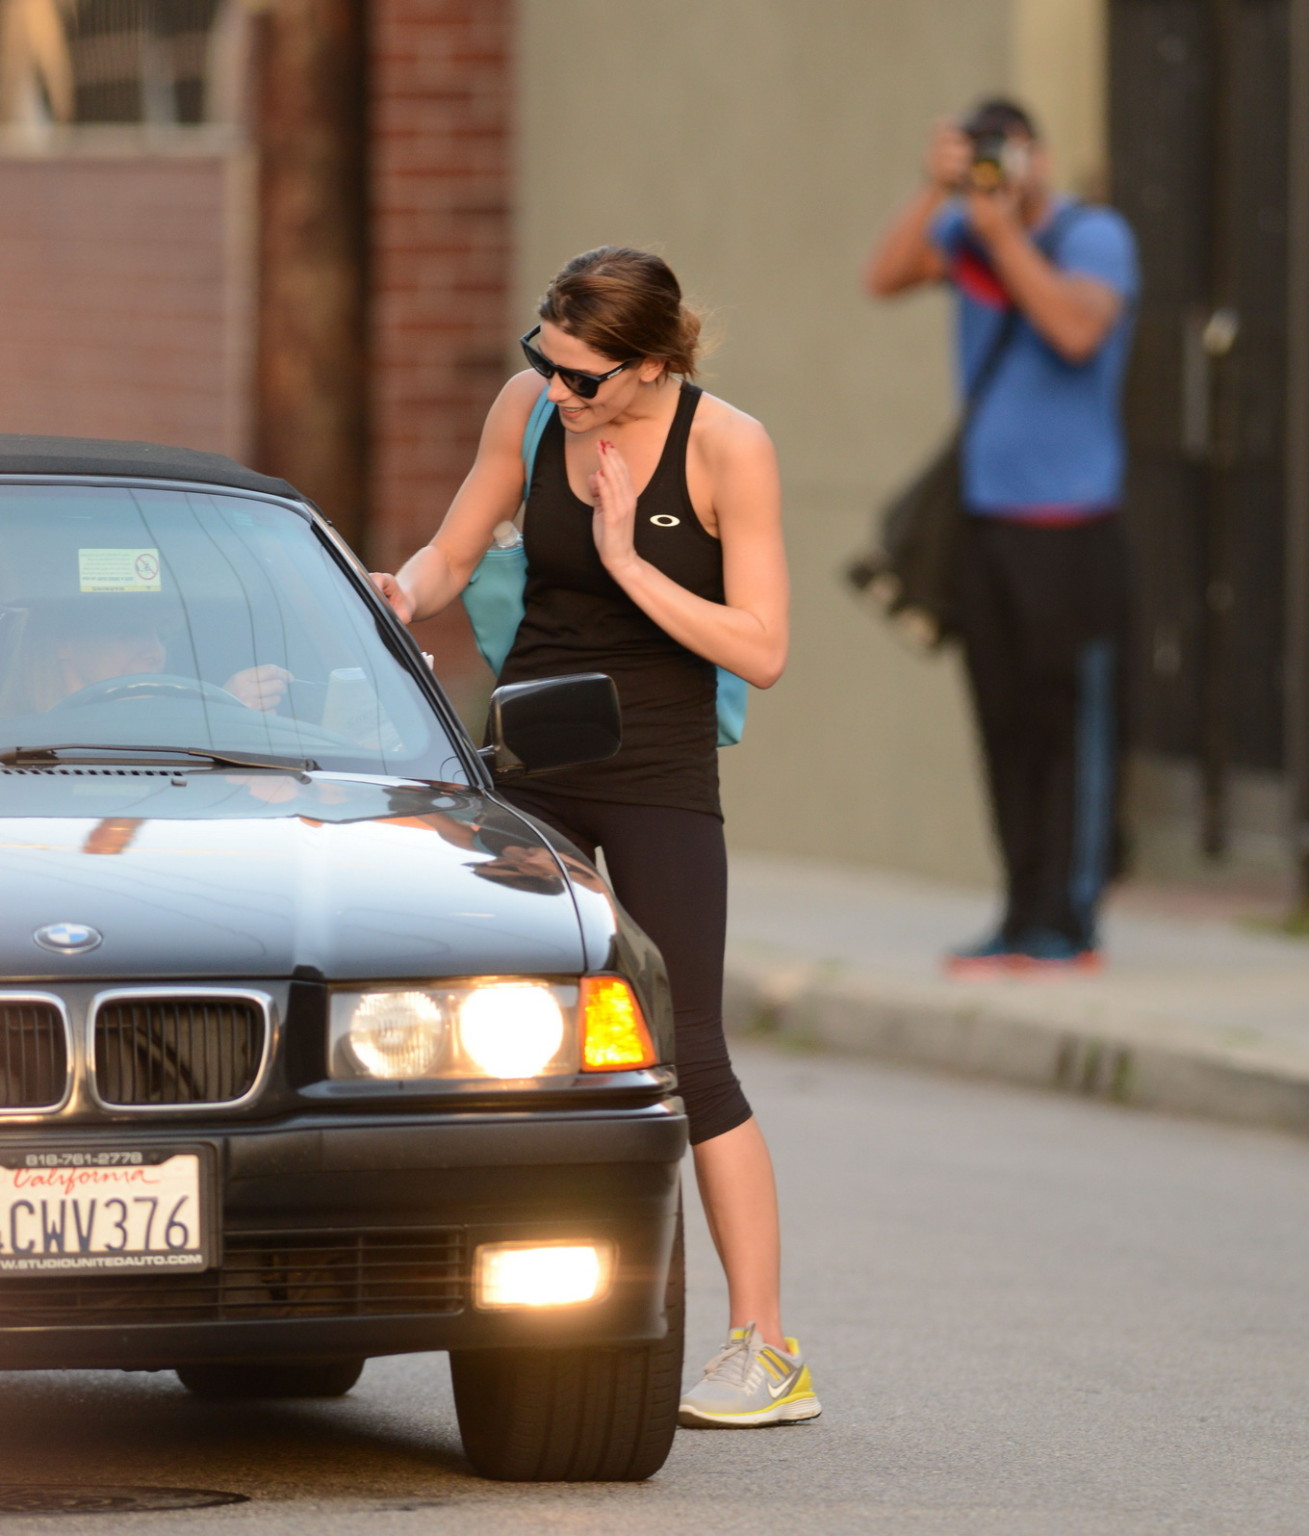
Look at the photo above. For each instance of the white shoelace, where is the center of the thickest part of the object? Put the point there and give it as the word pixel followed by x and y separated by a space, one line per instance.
pixel 734 1359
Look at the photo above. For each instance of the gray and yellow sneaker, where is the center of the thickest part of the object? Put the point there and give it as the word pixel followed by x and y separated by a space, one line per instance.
pixel 748 1384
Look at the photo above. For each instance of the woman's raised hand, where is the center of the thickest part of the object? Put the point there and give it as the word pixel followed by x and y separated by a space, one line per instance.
pixel 394 594
pixel 614 523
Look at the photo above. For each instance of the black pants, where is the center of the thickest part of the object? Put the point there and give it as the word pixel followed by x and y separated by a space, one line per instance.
pixel 668 868
pixel 1043 611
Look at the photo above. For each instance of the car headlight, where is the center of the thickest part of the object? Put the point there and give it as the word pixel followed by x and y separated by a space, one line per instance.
pixel 394 1034
pixel 501 1030
pixel 510 1030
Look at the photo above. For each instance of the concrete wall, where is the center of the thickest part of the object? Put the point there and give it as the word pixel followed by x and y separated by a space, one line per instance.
pixel 1060 69
pixel 758 144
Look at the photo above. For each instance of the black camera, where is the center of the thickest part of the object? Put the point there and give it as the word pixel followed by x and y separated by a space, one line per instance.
pixel 987 173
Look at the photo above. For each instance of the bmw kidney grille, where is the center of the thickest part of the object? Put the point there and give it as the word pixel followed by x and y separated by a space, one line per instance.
pixel 34 1063
pixel 167 1052
pixel 164 1049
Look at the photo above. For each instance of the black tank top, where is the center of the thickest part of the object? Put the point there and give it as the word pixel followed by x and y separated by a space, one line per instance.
pixel 578 619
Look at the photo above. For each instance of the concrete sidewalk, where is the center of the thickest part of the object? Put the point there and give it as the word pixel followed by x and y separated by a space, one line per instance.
pixel 1194 1014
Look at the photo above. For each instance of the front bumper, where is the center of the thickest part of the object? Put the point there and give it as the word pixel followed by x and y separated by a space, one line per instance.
pixel 353 1235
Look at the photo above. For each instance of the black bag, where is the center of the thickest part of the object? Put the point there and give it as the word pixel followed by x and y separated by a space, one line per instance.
pixel 910 570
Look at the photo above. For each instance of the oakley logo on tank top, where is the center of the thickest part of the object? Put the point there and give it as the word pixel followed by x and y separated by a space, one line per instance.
pixel 578 619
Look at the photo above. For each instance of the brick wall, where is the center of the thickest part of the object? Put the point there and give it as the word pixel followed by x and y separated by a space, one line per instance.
pixel 126 284
pixel 123 299
pixel 441 221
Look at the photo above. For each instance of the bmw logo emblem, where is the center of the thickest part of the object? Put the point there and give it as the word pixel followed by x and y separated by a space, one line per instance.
pixel 69 938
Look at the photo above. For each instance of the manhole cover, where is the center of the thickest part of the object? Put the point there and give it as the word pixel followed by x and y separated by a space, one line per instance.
pixel 76 1499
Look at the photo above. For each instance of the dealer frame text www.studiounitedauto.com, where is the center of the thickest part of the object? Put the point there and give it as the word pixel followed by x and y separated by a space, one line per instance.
pixel 102 1261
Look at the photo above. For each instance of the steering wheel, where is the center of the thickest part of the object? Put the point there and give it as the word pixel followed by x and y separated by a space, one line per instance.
pixel 147 685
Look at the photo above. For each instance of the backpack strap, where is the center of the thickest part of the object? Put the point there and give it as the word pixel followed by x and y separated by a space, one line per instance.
pixel 537 421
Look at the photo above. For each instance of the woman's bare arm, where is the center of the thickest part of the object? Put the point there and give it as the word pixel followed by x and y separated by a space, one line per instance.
pixel 491 493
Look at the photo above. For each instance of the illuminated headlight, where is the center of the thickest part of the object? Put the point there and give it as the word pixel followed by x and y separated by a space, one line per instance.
pixel 510 1030
pixel 492 1029
pixel 394 1034
pixel 541 1275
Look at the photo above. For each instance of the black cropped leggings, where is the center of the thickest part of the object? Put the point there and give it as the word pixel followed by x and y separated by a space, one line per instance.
pixel 668 868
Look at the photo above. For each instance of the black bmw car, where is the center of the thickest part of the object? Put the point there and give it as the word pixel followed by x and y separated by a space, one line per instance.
pixel 311 1048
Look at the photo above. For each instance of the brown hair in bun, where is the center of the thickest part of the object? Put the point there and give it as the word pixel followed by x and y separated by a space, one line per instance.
pixel 625 304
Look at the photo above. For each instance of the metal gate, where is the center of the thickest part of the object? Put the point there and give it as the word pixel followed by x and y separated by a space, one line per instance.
pixel 1199 145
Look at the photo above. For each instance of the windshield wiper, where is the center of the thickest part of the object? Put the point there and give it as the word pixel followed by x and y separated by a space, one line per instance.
pixel 51 754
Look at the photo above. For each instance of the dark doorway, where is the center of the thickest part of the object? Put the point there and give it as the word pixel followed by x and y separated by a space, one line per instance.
pixel 1199 140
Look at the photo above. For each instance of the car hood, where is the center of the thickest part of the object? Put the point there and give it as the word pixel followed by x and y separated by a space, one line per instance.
pixel 262 874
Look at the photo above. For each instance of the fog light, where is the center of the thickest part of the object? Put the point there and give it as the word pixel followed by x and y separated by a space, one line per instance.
pixel 613 1028
pixel 549 1275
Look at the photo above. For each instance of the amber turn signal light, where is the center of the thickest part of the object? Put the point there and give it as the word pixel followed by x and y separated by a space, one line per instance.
pixel 614 1033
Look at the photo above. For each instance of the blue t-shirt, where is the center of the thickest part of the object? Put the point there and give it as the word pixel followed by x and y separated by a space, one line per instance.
pixel 1047 438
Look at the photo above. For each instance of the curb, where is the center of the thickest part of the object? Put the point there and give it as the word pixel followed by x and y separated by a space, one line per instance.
pixel 1123 1059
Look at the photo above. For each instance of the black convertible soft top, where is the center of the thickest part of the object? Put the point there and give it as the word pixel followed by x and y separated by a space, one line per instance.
pixel 28 454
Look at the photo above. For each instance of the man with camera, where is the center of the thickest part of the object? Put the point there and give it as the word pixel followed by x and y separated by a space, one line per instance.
pixel 1045 288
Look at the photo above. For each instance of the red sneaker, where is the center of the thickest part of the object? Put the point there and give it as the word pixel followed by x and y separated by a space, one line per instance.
pixel 991 957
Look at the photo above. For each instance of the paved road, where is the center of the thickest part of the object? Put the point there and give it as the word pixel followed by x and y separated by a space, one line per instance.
pixel 1028 1316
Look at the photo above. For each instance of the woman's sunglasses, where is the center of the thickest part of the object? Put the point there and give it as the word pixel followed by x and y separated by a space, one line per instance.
pixel 586 385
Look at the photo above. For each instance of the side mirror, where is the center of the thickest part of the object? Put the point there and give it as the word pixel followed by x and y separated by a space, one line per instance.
pixel 552 722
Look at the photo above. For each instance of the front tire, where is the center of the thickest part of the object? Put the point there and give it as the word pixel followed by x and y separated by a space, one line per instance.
pixel 224 1379
pixel 574 1415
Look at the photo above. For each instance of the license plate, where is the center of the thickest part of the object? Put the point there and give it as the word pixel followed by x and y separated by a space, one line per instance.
pixel 103 1212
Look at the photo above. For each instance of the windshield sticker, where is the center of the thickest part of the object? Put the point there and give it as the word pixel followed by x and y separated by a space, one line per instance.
pixel 119 570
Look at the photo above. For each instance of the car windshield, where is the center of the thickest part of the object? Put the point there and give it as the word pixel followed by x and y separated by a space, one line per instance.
pixel 141 617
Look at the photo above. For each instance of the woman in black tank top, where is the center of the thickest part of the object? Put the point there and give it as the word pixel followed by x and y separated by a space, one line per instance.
pixel 652 529
pixel 579 619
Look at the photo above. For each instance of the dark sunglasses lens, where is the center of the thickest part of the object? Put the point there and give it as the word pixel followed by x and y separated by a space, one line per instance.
pixel 582 384
pixel 535 359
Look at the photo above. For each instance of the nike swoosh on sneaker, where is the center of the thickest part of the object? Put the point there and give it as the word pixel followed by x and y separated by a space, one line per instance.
pixel 784 1386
